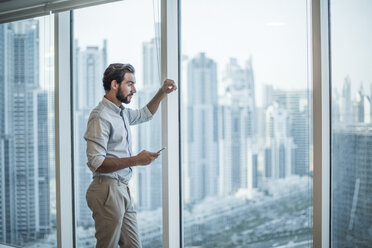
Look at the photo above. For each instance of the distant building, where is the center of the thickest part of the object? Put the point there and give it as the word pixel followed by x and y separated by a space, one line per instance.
pixel 336 106
pixel 24 142
pixel 44 150
pixel 89 66
pixel 149 190
pixel 83 176
pixel 279 143
pixel 346 104
pixel 296 103
pixel 351 187
pixel 237 129
pixel 202 138
pixel 362 107
pixel 3 161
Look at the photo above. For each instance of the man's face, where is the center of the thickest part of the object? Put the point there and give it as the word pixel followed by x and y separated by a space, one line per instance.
pixel 126 88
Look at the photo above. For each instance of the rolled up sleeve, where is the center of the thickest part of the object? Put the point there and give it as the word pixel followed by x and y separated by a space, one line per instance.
pixel 97 136
pixel 137 116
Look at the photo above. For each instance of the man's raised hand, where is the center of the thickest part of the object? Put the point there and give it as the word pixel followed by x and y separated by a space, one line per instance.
pixel 168 86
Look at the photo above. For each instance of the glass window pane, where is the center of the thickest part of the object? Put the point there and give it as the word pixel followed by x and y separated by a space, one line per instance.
pixel 27 154
pixel 351 183
pixel 246 124
pixel 124 32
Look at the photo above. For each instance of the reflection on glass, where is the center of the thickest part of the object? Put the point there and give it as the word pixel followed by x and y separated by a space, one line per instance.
pixel 246 124
pixel 351 213
pixel 127 34
pixel 27 179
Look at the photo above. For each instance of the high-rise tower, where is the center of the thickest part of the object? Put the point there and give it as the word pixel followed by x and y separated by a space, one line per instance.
pixel 24 141
pixel 88 92
pixel 346 105
pixel 351 186
pixel 279 144
pixel 237 125
pixel 296 103
pixel 149 191
pixel 202 117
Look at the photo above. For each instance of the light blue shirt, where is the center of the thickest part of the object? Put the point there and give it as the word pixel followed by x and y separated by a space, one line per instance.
pixel 108 136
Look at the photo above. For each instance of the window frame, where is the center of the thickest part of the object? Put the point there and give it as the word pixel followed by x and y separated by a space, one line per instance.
pixel 63 127
pixel 320 73
pixel 171 183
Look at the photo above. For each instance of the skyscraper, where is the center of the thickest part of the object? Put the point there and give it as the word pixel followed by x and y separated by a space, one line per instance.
pixel 2 133
pixel 202 140
pixel 279 143
pixel 149 193
pixel 43 161
pixel 88 92
pixel 237 133
pixel 362 107
pixel 25 207
pixel 6 159
pixel 296 103
pixel 351 186
pixel 2 80
pixel 90 67
pixel 346 105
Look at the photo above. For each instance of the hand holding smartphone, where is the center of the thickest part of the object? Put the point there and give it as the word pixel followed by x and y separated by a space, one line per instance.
pixel 161 150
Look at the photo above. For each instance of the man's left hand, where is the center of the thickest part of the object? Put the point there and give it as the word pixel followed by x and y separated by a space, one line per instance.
pixel 168 86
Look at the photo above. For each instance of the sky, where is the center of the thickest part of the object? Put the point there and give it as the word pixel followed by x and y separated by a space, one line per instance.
pixel 351 39
pixel 125 25
pixel 274 33
pixel 46 52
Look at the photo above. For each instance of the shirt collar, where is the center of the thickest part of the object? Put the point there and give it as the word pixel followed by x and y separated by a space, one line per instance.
pixel 112 106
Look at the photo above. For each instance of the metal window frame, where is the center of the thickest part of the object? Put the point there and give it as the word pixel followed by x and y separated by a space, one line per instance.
pixel 63 129
pixel 170 126
pixel 321 122
pixel 25 9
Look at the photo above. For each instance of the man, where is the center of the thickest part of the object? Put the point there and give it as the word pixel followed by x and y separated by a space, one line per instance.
pixel 110 156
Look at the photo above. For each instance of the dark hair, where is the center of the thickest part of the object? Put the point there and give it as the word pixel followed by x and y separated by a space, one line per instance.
pixel 115 72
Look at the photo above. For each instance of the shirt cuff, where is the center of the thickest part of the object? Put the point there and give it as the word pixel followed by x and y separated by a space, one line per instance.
pixel 96 162
pixel 147 113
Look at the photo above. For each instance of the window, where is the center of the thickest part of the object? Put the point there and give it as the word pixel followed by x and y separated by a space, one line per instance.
pixel 128 33
pixel 246 124
pixel 351 195
pixel 27 154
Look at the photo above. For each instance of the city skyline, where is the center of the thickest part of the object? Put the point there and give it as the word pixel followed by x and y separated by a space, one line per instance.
pixel 263 21
pixel 241 85
pixel 94 56
pixel 282 98
pixel 25 209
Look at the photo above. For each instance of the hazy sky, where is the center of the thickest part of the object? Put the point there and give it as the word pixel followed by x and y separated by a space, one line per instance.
pixel 275 36
pixel 273 32
pixel 125 25
pixel 351 39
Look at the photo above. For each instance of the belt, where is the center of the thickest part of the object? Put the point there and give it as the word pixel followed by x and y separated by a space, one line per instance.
pixel 100 177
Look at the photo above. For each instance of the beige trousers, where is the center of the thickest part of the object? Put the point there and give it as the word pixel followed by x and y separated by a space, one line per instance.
pixel 113 213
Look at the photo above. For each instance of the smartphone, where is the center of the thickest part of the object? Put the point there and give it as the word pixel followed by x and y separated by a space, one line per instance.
pixel 161 149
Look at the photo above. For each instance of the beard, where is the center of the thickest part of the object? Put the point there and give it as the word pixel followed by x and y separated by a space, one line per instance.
pixel 124 99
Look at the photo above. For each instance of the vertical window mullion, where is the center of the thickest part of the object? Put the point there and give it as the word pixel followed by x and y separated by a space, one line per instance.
pixel 321 119
pixel 63 130
pixel 170 125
